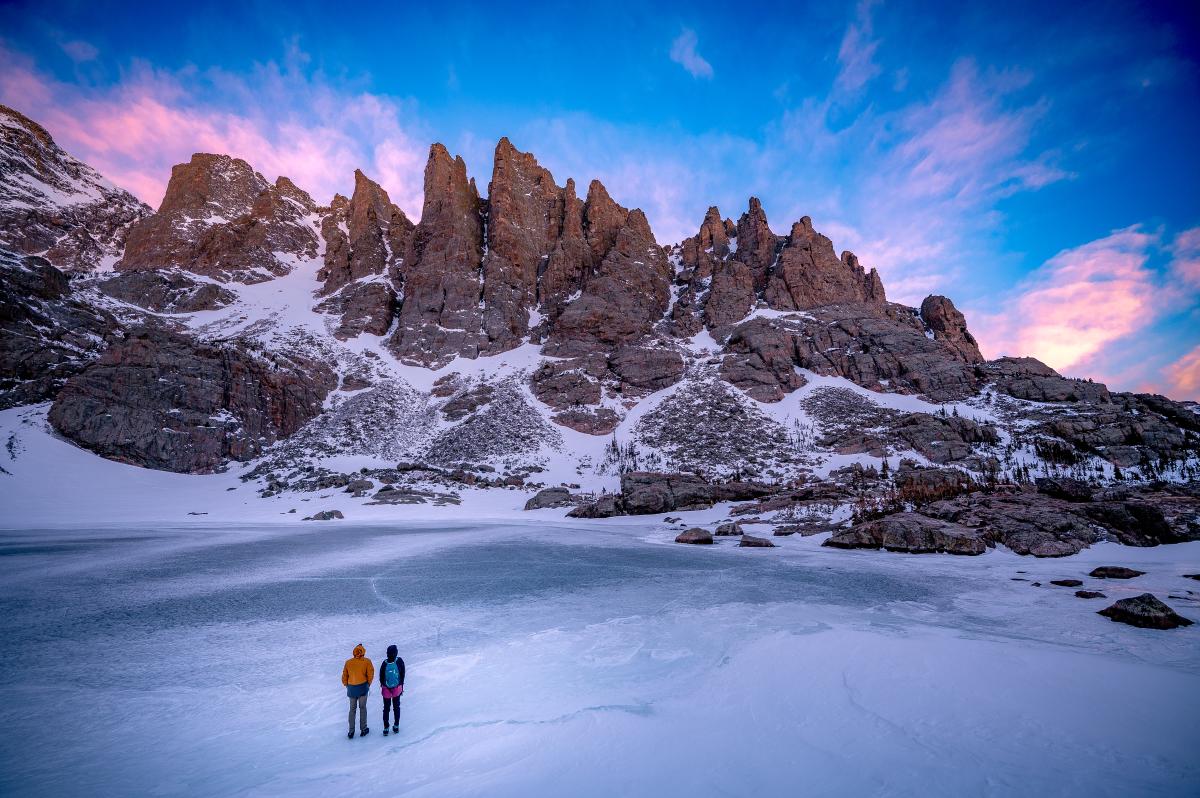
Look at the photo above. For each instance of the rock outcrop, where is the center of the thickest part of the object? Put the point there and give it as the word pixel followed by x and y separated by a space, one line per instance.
pixel 169 291
pixel 366 238
pixel 912 533
pixel 221 219
pixel 653 493
pixel 162 400
pixel 440 317
pixel 47 334
pixel 947 324
pixel 694 536
pixel 733 317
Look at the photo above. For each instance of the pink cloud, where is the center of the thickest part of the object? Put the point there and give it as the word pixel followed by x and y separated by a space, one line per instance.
pixel 1183 376
pixel 136 130
pixel 1185 264
pixel 1079 302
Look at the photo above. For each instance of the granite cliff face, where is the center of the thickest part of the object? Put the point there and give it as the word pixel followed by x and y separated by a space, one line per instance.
pixel 241 312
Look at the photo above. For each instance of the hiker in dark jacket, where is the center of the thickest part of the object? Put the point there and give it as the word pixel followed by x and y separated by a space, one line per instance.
pixel 391 684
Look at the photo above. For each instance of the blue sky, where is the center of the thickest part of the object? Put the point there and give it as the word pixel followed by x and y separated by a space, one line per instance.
pixel 1036 163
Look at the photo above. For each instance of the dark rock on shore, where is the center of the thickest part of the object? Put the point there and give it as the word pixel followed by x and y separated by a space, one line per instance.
pixel 1089 594
pixel 1115 572
pixel 912 533
pixel 751 542
pixel 694 536
pixel 1067 582
pixel 1145 611
pixel 325 515
pixel 550 497
pixel 654 493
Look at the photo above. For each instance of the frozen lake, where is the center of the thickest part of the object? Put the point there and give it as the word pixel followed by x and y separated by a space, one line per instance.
pixel 592 661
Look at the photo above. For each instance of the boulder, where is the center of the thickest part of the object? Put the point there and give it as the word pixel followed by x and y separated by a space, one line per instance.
pixel 550 497
pixel 1066 582
pixel 695 535
pixel 1115 572
pixel 728 529
pixel 912 533
pixel 1089 594
pixel 325 515
pixel 1144 611
pixel 749 541
pixel 605 507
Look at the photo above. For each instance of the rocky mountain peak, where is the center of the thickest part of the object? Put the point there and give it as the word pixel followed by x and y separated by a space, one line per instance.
pixel 56 206
pixel 221 219
pixel 440 316
pixel 286 188
pixel 948 324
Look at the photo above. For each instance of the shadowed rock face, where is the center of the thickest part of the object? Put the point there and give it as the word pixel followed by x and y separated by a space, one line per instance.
pixel 46 333
pixel 164 401
pixel 56 206
pixel 221 219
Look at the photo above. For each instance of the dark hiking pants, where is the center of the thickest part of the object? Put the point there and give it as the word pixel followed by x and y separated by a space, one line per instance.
pixel 394 705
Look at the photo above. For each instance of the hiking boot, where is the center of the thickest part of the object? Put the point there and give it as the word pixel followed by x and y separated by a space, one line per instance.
pixel 385 731
pixel 350 736
pixel 364 732
pixel 395 728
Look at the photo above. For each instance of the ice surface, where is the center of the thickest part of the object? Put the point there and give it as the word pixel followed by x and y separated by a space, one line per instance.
pixel 579 660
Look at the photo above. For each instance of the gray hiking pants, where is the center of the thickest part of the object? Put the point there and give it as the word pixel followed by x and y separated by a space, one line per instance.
pixel 359 704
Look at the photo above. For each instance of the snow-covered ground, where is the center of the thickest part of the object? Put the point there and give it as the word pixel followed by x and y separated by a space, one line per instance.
pixel 590 660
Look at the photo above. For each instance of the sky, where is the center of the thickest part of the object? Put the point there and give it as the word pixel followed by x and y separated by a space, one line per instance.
pixel 1037 163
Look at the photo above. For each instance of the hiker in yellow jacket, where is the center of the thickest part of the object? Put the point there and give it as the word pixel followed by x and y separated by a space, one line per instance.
pixel 357 674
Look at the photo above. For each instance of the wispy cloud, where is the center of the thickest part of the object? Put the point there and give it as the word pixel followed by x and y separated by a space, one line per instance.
pixel 80 51
pixel 1099 310
pixel 1183 376
pixel 856 54
pixel 281 118
pixel 1079 302
pixel 1186 262
pixel 684 53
